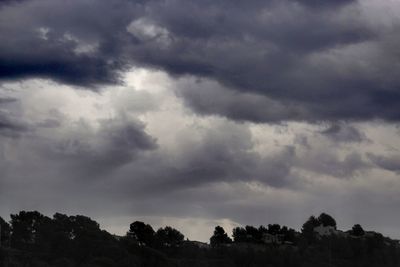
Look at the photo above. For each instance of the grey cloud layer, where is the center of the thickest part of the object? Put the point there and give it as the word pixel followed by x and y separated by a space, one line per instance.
pixel 324 60
pixel 106 155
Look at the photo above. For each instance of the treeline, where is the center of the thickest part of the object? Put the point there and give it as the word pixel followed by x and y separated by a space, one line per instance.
pixel 31 239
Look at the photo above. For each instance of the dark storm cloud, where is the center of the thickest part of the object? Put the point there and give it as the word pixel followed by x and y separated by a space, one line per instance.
pixel 324 60
pixel 83 71
pixel 68 42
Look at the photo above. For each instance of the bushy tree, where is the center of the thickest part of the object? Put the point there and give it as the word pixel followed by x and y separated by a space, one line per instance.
pixel 239 235
pixel 248 234
pixel 4 233
pixel 274 229
pixel 309 225
pixel 219 237
pixel 326 220
pixel 357 230
pixel 169 237
pixel 307 229
pixel 288 234
pixel 253 235
pixel 29 229
pixel 262 230
pixel 142 233
pixel 63 231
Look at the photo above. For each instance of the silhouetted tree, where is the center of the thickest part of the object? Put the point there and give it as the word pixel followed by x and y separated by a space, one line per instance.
pixel 29 229
pixel 326 220
pixel 309 225
pixel 274 229
pixel 239 234
pixel 169 237
pixel 262 229
pixel 307 229
pixel 357 230
pixel 89 241
pixel 288 234
pixel 81 225
pixel 253 235
pixel 4 233
pixel 219 237
pixel 142 233
pixel 63 234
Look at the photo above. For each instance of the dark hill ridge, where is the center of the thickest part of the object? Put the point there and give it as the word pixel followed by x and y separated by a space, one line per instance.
pixel 32 239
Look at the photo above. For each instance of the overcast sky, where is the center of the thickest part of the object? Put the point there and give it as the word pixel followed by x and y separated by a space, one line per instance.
pixel 199 113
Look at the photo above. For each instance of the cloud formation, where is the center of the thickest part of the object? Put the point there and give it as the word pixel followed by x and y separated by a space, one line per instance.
pixel 118 159
pixel 296 60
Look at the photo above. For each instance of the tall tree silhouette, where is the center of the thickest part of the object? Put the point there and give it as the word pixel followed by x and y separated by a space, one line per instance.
pixel 29 229
pixel 4 232
pixel 142 233
pixel 307 229
pixel 357 230
pixel 326 220
pixel 219 237
pixel 168 237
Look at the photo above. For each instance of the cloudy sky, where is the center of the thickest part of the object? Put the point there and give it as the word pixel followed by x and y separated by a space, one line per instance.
pixel 198 113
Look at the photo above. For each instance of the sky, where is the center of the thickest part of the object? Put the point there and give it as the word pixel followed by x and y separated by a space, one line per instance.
pixel 201 113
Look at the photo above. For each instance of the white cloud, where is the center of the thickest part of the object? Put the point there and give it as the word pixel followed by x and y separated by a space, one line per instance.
pixel 146 30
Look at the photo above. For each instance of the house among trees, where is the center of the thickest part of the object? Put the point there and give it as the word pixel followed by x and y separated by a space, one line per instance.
pixel 324 225
pixel 268 238
pixel 323 230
